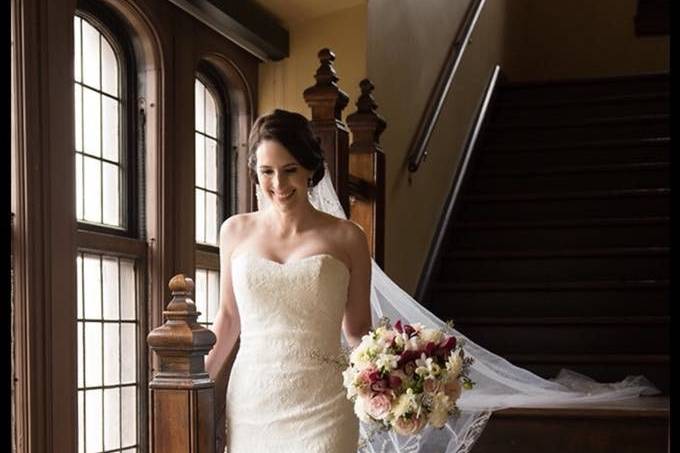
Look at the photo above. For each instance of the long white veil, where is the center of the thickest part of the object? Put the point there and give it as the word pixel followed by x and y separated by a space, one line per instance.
pixel 499 384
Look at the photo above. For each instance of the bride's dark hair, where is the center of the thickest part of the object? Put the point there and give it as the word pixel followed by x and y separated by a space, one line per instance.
pixel 292 131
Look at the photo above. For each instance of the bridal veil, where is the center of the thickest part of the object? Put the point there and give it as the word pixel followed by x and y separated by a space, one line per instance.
pixel 499 384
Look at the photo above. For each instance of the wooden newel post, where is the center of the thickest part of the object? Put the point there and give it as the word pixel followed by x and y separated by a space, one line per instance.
pixel 327 100
pixel 182 405
pixel 367 169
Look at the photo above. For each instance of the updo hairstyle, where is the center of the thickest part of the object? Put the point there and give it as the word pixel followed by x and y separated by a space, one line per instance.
pixel 292 131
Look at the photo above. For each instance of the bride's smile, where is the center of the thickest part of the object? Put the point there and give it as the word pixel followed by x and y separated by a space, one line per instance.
pixel 282 178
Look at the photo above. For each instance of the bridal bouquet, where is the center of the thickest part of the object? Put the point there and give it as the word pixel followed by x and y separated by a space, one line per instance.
pixel 403 377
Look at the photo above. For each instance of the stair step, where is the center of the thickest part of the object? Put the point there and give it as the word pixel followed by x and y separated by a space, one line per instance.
pixel 571 233
pixel 490 298
pixel 555 179
pixel 586 145
pixel 583 103
pixel 546 265
pixel 560 205
pixel 638 127
pixel 580 88
pixel 553 285
pixel 551 112
pixel 635 425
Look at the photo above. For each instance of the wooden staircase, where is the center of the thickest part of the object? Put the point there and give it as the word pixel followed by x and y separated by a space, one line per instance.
pixel 558 254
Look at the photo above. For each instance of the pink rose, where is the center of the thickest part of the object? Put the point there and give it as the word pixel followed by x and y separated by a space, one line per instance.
pixel 409 426
pixel 379 406
pixel 369 375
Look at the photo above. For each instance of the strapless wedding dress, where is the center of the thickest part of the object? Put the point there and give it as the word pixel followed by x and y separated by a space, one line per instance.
pixel 279 398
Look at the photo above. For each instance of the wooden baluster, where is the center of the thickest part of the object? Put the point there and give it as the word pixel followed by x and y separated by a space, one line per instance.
pixel 182 406
pixel 367 170
pixel 327 100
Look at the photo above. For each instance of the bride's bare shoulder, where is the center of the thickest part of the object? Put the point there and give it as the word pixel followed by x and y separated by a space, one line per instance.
pixel 346 231
pixel 237 226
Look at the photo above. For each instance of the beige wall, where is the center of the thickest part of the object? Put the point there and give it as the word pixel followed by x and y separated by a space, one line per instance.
pixel 344 32
pixel 404 59
pixel 583 38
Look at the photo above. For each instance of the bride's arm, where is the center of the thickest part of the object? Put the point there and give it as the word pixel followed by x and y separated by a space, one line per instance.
pixel 357 318
pixel 227 326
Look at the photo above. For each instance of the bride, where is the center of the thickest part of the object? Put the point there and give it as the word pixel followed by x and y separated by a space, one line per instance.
pixel 297 276
pixel 291 277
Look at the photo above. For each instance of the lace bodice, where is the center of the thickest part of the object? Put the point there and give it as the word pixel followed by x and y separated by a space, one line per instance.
pixel 280 397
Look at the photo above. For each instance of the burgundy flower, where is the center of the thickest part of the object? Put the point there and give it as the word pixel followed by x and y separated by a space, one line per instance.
pixel 429 348
pixel 397 326
pixel 448 344
pixel 380 386
pixel 394 381
pixel 409 330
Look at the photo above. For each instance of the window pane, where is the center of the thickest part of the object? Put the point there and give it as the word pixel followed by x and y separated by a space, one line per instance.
pixel 109 69
pixel 213 294
pixel 200 161
pixel 112 418
pixel 210 115
pixel 210 218
pixel 127 290
pixel 110 129
pixel 112 348
pixel 200 216
pixel 76 49
pixel 199 111
pixel 90 55
pixel 92 122
pixel 79 117
pixel 93 196
pixel 81 345
pixel 128 356
pixel 93 354
pixel 79 186
pixel 92 287
pixel 81 421
pixel 110 281
pixel 129 414
pixel 93 420
pixel 111 195
pixel 210 164
pixel 200 295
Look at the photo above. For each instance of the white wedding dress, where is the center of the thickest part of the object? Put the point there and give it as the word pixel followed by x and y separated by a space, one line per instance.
pixel 280 398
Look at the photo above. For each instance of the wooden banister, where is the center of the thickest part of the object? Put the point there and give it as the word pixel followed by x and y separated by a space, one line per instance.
pixel 367 171
pixel 327 100
pixel 418 148
pixel 181 394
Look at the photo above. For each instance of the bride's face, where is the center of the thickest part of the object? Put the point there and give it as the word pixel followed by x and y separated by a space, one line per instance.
pixel 282 179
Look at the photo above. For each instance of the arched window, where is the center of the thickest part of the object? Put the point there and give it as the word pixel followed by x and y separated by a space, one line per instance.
pixel 111 252
pixel 212 187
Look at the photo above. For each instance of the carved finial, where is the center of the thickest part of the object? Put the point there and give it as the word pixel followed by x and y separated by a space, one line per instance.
pixel 366 103
pixel 326 55
pixel 325 75
pixel 181 285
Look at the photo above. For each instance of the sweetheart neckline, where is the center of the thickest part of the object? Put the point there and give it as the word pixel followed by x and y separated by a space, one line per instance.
pixel 293 261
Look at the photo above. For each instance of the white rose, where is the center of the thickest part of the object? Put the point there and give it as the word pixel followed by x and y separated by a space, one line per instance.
pixel 360 410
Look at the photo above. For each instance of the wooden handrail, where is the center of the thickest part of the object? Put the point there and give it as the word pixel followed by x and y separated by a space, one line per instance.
pixel 454 194
pixel 418 148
